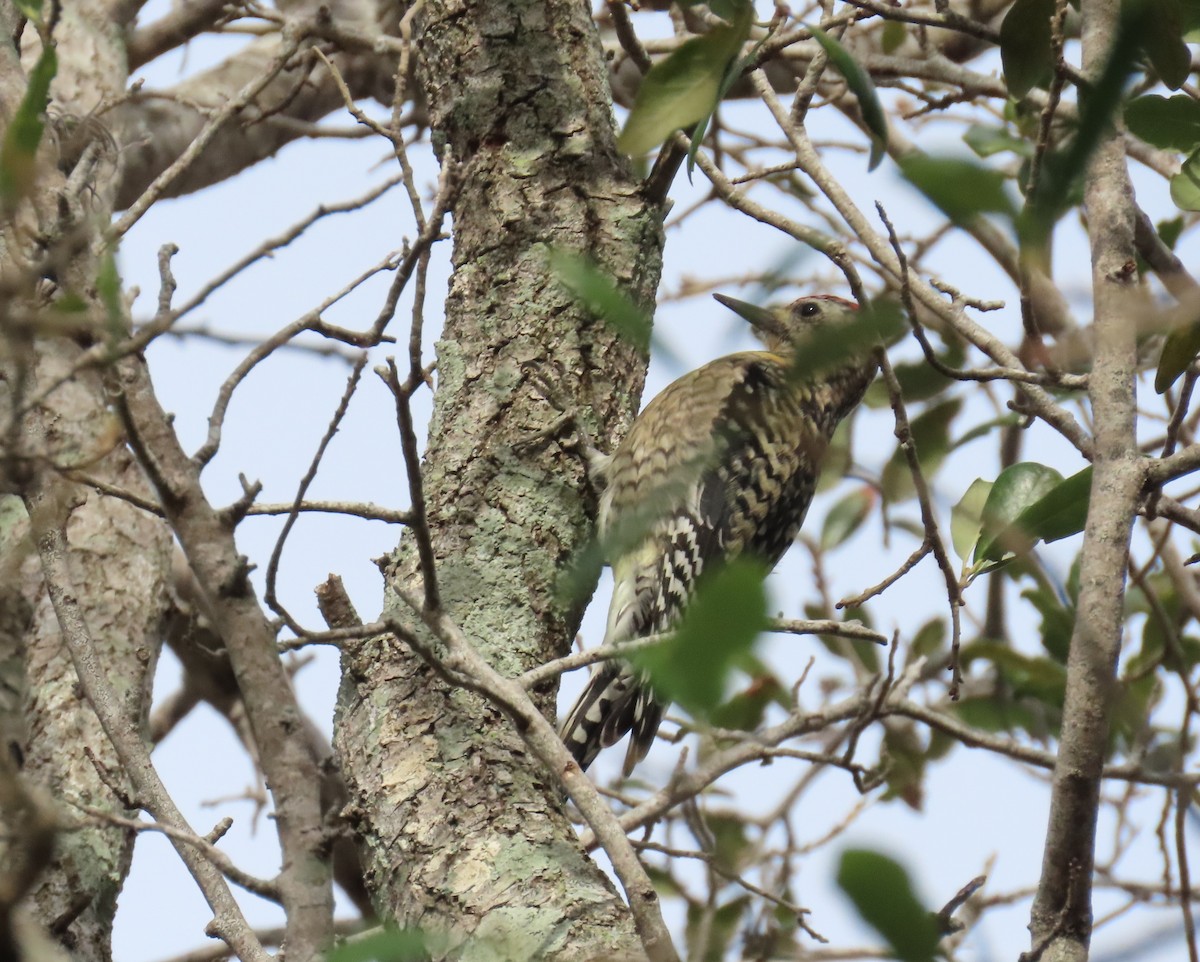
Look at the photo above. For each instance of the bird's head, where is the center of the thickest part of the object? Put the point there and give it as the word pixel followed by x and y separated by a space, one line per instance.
pixel 781 328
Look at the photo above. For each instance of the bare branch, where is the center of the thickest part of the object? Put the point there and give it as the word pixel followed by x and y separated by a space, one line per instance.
pixel 47 502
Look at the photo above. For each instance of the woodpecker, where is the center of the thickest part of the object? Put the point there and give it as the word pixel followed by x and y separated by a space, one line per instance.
pixel 723 462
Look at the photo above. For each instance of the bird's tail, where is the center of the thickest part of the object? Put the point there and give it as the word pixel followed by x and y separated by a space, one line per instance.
pixel 615 701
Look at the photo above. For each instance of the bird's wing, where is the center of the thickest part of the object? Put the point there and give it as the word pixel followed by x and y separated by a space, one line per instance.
pixel 685 491
pixel 724 461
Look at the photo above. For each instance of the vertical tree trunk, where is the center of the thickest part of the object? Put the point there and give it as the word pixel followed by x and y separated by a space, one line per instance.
pixel 1062 914
pixel 120 554
pixel 464 833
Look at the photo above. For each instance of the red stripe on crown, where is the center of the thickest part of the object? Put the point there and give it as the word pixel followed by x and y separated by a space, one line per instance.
pixel 827 297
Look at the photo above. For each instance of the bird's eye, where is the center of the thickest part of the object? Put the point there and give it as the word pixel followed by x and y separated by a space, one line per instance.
pixel 810 309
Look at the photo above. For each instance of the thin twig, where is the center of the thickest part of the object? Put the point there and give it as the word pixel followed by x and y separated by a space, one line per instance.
pixel 263 888
pixel 46 502
pixel 419 525
pixel 929 520
pixel 292 36
pixel 270 596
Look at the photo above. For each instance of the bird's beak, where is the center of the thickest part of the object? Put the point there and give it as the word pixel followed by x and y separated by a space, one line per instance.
pixel 767 321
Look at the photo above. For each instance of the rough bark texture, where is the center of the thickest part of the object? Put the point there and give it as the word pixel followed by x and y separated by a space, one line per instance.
pixel 119 560
pixel 1062 916
pixel 463 833
pixel 274 716
pixel 154 130
pixel 16 614
pixel 120 555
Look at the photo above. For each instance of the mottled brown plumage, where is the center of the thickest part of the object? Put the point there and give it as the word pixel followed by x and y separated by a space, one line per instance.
pixel 723 462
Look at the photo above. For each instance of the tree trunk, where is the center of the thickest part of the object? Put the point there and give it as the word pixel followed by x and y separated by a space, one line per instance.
pixel 120 555
pixel 464 833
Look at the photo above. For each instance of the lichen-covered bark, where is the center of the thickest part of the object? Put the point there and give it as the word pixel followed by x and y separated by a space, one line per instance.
pixel 119 560
pixel 119 555
pixel 462 831
pixel 16 614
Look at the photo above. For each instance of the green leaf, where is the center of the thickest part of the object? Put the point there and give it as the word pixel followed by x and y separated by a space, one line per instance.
pixel 1172 123
pixel 1131 721
pixel 894 35
pixel 32 9
pixel 883 895
pixel 731 848
pixel 1163 42
pixel 961 189
pixel 836 462
pixel 1024 116
pixel 1009 708
pixel 1058 622
pixel 1063 170
pixel 911 525
pixel 1161 753
pixel 984 428
pixel 987 140
pixel 736 68
pixel 860 652
pixel 905 755
pixel 70 303
pixel 1169 231
pixel 786 918
pixel 721 623
pixel 919 381
pixel 846 517
pixel 1099 101
pixel 966 518
pixel 860 84
pixel 19 151
pixel 1185 186
pixel 600 294
pixel 1150 655
pixel 683 88
pixel 745 710
pixel 929 640
pixel 931 435
pixel 1039 679
pixel 390 945
pixel 1187 657
pixel 664 884
pixel 718 931
pixel 1190 21
pixel 1059 513
pixel 991 714
pixel 1017 487
pixel 1179 350
pixel 108 286
pixel 1026 51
